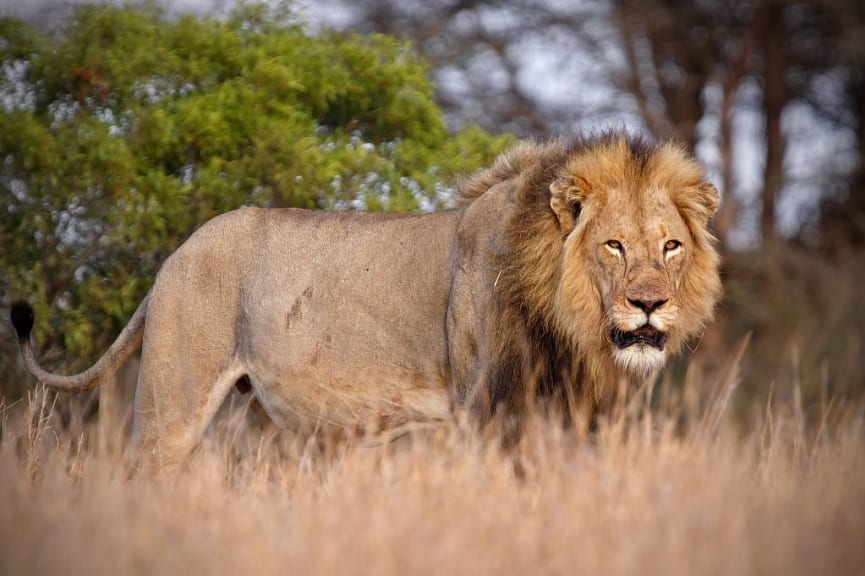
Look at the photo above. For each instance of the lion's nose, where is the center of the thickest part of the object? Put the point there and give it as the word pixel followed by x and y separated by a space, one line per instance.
pixel 647 305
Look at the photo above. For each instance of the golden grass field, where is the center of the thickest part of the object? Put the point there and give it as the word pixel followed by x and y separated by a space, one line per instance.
pixel 678 489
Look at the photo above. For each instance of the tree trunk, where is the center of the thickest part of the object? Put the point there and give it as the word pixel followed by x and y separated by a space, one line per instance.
pixel 775 98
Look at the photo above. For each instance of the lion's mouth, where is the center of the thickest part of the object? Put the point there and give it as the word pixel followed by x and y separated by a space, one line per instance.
pixel 645 334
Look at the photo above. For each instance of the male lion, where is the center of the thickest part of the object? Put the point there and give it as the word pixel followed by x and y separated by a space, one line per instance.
pixel 568 268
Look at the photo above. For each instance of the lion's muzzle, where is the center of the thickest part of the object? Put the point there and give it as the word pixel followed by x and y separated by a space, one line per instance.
pixel 645 334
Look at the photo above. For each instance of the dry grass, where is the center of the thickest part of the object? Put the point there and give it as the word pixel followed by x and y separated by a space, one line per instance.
pixel 660 492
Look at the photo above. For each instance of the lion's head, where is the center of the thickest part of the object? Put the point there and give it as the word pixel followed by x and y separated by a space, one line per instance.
pixel 607 251
pixel 604 265
pixel 639 271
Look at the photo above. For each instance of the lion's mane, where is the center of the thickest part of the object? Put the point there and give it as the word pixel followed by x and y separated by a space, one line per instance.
pixel 539 348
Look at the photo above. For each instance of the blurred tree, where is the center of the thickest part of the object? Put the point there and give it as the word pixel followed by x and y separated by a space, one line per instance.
pixel 481 52
pixel 829 51
pixel 123 130
pixel 674 53
pixel 703 72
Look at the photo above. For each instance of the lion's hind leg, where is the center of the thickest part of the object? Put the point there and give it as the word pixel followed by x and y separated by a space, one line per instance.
pixel 173 410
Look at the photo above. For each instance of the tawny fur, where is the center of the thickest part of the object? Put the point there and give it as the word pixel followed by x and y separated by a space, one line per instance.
pixel 346 318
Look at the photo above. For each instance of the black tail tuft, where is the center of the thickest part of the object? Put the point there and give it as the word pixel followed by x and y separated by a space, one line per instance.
pixel 21 314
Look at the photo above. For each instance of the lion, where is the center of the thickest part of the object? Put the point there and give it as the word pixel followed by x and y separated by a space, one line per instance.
pixel 566 269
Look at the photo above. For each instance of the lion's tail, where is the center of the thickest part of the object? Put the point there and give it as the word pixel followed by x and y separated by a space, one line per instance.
pixel 119 352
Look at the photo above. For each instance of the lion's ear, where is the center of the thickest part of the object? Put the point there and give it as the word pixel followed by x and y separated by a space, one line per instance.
pixel 708 197
pixel 699 202
pixel 566 196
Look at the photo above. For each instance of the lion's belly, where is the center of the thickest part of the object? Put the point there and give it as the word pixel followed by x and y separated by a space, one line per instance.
pixel 317 359
pixel 303 396
pixel 324 369
pixel 312 364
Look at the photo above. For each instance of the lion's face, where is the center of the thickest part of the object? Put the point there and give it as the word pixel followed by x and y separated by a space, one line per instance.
pixel 638 261
pixel 638 257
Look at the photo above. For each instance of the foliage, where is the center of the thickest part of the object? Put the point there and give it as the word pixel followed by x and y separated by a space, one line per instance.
pixel 123 130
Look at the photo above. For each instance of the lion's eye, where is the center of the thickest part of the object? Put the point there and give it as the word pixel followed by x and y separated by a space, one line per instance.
pixel 614 245
pixel 672 245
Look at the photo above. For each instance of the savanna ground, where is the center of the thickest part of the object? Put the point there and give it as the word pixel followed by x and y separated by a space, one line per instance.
pixel 670 485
